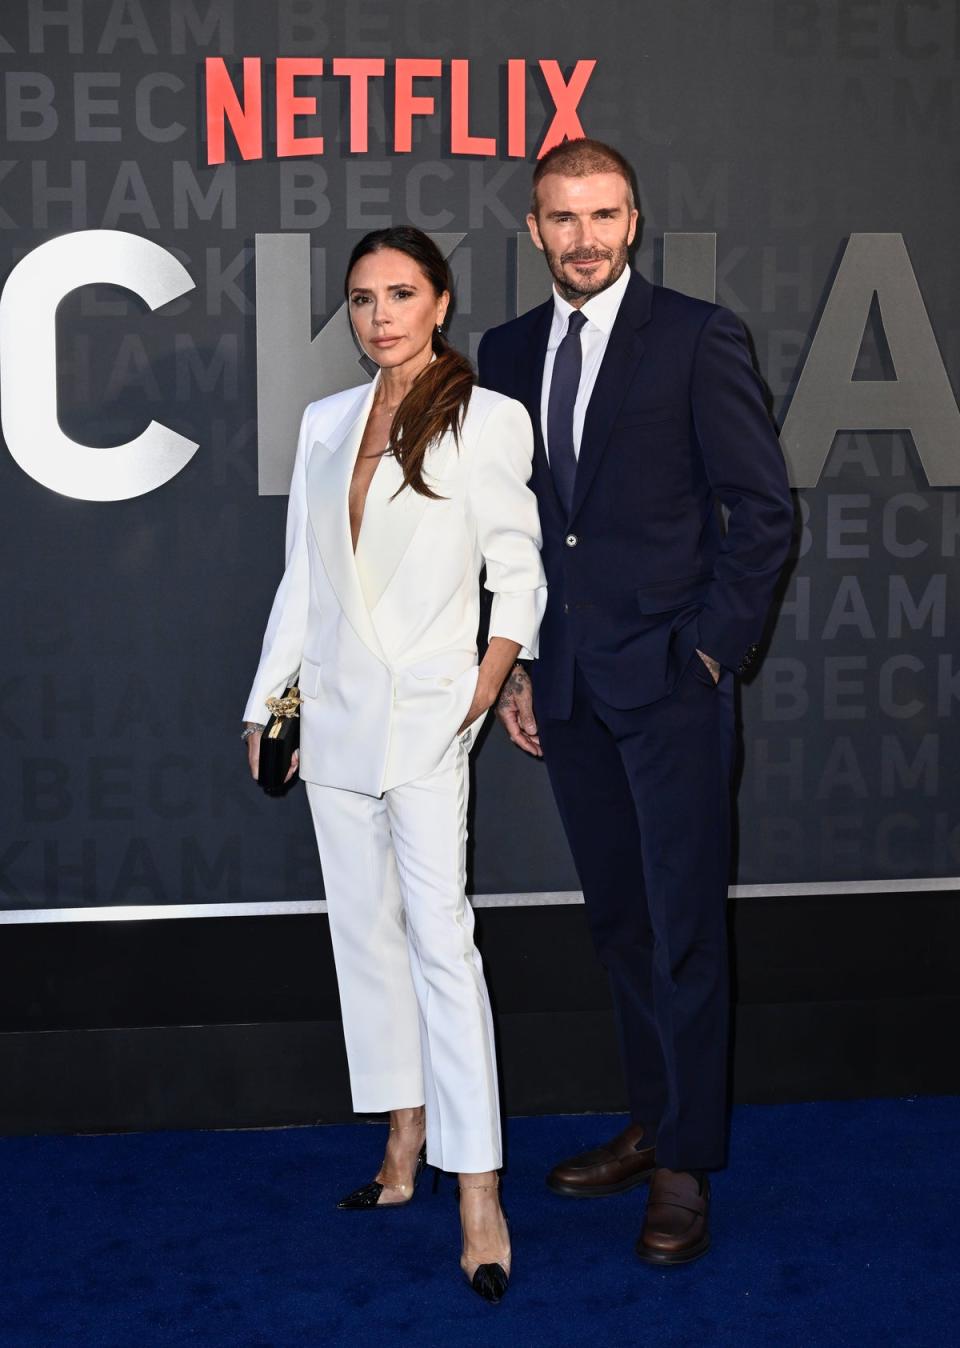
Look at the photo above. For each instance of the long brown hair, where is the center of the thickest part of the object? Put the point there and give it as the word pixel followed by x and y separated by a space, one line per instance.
pixel 438 400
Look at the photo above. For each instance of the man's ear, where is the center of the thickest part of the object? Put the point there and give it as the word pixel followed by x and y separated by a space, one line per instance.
pixel 634 222
pixel 534 231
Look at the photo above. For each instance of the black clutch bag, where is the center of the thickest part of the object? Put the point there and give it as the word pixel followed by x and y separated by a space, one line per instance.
pixel 280 737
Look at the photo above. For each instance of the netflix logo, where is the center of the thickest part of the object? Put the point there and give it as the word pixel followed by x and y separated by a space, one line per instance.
pixel 412 87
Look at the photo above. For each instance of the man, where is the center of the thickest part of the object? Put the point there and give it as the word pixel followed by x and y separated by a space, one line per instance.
pixel 647 413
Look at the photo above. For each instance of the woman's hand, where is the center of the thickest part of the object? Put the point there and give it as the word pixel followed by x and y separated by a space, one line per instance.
pixel 253 757
pixel 253 753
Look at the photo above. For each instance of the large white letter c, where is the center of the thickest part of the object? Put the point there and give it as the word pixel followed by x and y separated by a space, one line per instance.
pixel 28 365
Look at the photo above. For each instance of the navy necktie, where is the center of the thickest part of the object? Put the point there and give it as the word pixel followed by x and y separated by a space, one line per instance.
pixel 564 383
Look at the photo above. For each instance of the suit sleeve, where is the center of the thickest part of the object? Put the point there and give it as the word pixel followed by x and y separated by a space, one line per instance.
pixel 287 625
pixel 745 468
pixel 483 362
pixel 508 524
pixel 489 372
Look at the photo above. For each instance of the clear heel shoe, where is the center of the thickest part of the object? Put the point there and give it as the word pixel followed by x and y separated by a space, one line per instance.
pixel 489 1281
pixel 367 1197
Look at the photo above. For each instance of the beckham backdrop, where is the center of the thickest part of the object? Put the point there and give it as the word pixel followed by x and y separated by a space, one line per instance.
pixel 173 235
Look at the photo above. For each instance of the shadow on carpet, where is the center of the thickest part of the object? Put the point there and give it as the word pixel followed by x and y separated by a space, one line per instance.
pixel 835 1224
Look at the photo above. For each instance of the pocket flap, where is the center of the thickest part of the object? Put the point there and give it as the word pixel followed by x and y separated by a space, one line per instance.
pixel 669 595
pixel 309 680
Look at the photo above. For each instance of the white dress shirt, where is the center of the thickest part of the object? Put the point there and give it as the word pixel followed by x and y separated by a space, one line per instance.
pixel 600 311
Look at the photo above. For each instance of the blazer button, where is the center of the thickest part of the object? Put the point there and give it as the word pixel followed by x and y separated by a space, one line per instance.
pixel 571 540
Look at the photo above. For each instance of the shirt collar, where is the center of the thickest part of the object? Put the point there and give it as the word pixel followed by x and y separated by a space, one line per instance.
pixel 600 310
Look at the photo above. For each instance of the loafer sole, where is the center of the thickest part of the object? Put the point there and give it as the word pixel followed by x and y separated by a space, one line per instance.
pixel 665 1257
pixel 571 1190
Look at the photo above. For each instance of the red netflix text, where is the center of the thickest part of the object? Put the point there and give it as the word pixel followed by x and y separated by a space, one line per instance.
pixel 242 109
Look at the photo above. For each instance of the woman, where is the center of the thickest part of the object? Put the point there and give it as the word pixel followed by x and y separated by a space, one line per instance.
pixel 402 490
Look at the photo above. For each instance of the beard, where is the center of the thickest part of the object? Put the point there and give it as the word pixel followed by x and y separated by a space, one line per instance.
pixel 581 288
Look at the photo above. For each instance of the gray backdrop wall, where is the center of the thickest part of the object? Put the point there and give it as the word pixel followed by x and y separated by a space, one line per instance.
pixel 132 625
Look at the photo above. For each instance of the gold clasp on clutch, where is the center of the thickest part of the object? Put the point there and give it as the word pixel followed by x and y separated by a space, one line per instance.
pixel 283 708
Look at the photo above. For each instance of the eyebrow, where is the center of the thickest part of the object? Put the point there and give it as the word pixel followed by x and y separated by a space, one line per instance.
pixel 598 210
pixel 397 285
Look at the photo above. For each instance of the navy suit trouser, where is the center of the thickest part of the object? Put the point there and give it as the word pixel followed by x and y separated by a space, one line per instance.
pixel 644 796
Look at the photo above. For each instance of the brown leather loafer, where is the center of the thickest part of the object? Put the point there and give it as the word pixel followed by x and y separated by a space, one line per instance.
pixel 610 1169
pixel 675 1228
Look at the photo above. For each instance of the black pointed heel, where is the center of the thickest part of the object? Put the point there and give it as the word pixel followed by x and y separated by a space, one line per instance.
pixel 367 1197
pixel 489 1281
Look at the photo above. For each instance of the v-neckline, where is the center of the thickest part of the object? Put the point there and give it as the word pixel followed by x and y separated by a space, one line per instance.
pixel 354 546
pixel 366 496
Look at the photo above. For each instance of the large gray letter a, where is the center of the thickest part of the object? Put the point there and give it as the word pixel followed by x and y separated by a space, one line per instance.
pixel 828 399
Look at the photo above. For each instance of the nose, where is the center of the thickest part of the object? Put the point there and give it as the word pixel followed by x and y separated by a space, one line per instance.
pixel 584 233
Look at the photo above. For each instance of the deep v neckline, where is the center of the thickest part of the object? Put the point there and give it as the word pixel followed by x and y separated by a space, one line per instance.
pixel 390 519
pixel 355 544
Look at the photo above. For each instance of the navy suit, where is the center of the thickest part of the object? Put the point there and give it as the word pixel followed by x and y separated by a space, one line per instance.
pixel 637 739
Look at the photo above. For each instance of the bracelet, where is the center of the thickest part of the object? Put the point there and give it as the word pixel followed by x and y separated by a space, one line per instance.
pixel 250 728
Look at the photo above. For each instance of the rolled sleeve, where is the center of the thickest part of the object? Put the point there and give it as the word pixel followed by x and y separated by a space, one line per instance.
pixel 508 525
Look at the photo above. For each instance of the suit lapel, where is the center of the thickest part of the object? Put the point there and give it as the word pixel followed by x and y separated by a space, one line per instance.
pixel 619 364
pixel 328 485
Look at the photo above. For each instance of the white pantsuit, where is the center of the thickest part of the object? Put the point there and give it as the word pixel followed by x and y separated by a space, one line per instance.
pixel 385 645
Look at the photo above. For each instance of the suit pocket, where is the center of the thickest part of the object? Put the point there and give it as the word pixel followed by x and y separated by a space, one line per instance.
pixel 309 682
pixel 668 595
pixel 701 672
pixel 655 416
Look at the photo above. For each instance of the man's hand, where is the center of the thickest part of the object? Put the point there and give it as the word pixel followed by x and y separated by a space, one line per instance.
pixel 515 711
pixel 711 664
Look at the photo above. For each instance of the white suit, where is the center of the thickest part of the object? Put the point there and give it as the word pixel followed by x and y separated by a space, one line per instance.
pixel 385 645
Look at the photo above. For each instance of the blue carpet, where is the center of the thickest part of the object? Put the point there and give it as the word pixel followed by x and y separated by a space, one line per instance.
pixel 836 1224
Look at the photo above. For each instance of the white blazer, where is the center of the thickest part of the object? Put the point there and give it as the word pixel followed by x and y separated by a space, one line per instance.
pixel 386 688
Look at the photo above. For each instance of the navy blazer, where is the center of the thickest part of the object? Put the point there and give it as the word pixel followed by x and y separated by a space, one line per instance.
pixel 643 571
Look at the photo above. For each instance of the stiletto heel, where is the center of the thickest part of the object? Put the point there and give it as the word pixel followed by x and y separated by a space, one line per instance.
pixel 489 1281
pixel 367 1197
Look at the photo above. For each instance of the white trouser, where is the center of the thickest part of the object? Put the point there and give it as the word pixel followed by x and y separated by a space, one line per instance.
pixel 416 1014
